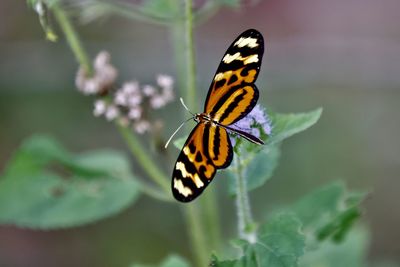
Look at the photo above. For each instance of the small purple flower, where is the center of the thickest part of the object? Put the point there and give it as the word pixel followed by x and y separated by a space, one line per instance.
pixel 255 123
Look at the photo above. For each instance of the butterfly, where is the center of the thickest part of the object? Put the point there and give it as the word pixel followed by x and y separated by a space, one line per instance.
pixel 231 96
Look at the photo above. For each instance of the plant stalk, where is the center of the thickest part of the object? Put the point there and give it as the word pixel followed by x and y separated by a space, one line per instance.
pixel 146 162
pixel 189 55
pixel 196 234
pixel 72 38
pixel 246 225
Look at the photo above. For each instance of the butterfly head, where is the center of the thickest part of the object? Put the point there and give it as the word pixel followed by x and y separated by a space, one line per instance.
pixel 202 117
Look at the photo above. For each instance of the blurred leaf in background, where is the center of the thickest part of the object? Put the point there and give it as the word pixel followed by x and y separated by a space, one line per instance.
pixel 44 186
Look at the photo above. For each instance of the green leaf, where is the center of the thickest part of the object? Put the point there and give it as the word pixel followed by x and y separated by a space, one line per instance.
pixel 46 187
pixel 280 244
pixel 329 211
pixel 258 168
pixel 286 125
pixel 351 252
pixel 262 167
pixel 171 261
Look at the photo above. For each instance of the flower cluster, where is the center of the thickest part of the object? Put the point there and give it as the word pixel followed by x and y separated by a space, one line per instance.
pixel 126 104
pixel 256 123
pixel 104 76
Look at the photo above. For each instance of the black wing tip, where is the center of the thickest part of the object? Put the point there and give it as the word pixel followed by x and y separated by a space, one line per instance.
pixel 256 34
pixel 252 32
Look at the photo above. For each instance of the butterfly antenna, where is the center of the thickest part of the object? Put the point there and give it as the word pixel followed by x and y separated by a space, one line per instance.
pixel 169 140
pixel 183 104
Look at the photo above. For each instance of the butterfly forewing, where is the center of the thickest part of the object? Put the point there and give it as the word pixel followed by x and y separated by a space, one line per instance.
pixel 239 67
pixel 235 104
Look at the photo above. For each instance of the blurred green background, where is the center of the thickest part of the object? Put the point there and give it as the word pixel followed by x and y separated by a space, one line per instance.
pixel 341 55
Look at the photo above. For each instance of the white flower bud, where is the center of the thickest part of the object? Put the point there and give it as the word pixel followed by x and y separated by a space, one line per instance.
pixel 141 127
pixel 100 107
pixel 148 90
pixel 165 81
pixel 112 112
pixel 135 113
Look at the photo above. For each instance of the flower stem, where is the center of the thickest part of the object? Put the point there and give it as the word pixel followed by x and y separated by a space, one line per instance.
pixel 246 225
pixel 205 215
pixel 72 38
pixel 143 158
pixel 189 55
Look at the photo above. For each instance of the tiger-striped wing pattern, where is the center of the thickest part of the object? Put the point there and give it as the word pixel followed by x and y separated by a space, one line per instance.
pixel 232 93
pixel 231 96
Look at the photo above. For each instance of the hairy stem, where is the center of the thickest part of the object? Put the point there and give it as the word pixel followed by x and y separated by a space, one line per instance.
pixel 246 225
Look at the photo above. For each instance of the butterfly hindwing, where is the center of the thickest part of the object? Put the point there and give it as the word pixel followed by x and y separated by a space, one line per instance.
pixel 239 67
pixel 219 147
pixel 193 168
pixel 208 148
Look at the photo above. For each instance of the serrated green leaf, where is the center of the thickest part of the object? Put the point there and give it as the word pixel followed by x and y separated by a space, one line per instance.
pixel 46 187
pixel 171 261
pixel 280 244
pixel 286 125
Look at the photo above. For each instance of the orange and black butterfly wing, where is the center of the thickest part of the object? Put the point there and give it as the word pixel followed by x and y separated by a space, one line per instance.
pixel 207 149
pixel 232 93
pixel 231 96
pixel 193 168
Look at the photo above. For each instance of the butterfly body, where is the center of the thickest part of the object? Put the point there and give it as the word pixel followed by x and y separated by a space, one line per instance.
pixel 232 95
